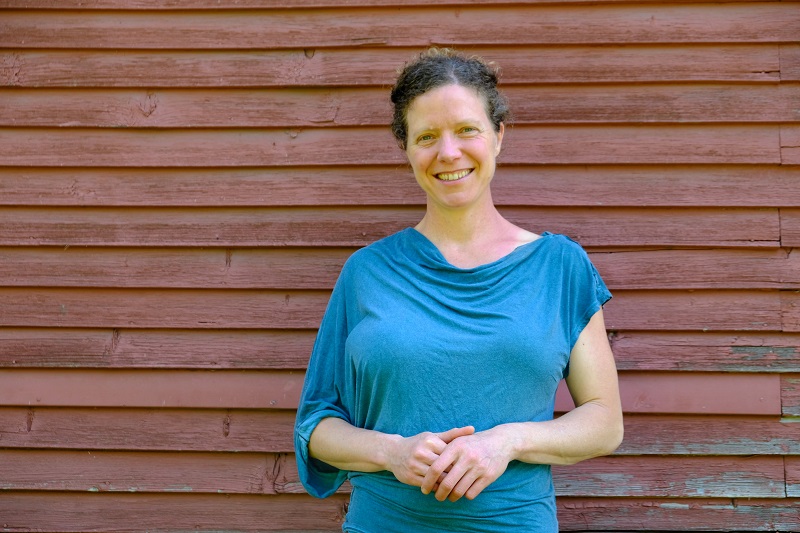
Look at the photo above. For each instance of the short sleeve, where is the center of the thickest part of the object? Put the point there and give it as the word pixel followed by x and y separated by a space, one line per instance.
pixel 586 291
pixel 325 394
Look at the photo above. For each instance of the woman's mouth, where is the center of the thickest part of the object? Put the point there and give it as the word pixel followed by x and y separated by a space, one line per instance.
pixel 453 176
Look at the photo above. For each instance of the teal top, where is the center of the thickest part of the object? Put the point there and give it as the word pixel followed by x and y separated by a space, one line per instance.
pixel 410 343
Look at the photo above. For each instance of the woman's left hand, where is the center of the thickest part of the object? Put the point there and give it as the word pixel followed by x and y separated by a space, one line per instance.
pixel 468 465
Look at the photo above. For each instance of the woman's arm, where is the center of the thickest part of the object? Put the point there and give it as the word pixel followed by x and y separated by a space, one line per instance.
pixel 342 445
pixel 593 428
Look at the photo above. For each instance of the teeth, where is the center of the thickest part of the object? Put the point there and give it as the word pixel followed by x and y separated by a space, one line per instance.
pixel 452 176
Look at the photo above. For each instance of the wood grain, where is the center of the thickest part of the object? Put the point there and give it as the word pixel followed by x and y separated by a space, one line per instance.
pixel 267 268
pixel 790 394
pixel 202 108
pixel 790 144
pixel 158 308
pixel 790 62
pixel 318 268
pixel 148 429
pixel 692 392
pixel 753 311
pixel 281 349
pixel 160 348
pixel 672 393
pixel 688 477
pixel 250 473
pixel 706 351
pixel 167 513
pixel 668 514
pixel 270 430
pixel 404 26
pixel 790 311
pixel 232 389
pixel 329 107
pixel 792 477
pixel 374 146
pixel 112 471
pixel 672 435
pixel 699 269
pixel 239 513
pixel 357 226
pixel 376 67
pixel 790 227
pixel 517 185
pixel 694 310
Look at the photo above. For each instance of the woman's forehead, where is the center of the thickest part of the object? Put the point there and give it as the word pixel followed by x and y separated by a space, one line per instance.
pixel 448 102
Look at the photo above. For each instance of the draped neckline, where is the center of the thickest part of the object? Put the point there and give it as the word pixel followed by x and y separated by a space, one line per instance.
pixel 421 250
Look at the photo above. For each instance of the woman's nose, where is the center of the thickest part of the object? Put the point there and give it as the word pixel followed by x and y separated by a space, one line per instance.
pixel 449 149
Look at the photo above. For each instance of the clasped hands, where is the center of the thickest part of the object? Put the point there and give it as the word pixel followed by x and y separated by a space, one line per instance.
pixel 451 464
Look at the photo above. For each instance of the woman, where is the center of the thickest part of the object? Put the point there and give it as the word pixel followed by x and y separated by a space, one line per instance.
pixel 432 381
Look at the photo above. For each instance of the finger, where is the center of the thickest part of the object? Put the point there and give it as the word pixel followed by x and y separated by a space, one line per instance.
pixel 452 434
pixel 426 456
pixel 419 469
pixel 435 474
pixel 464 485
pixel 476 488
pixel 438 470
pixel 451 481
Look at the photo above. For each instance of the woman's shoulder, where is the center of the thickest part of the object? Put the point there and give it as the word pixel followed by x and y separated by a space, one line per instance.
pixel 562 240
pixel 564 247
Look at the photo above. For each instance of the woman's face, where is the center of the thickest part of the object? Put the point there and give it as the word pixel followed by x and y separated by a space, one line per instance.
pixel 452 146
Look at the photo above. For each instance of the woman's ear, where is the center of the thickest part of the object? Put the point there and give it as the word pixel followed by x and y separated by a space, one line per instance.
pixel 500 133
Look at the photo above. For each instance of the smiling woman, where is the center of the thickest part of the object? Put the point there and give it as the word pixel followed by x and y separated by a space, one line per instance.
pixel 434 372
pixel 452 147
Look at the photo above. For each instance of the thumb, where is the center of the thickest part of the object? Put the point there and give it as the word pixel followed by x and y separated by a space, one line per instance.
pixel 452 434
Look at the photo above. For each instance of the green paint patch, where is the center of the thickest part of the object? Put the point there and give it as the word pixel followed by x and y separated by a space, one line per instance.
pixel 766 352
pixel 770 358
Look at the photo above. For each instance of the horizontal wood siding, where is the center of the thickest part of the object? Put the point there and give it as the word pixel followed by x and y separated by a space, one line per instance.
pixel 181 182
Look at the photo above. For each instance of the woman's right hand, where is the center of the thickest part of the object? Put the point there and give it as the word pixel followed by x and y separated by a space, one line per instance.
pixel 411 457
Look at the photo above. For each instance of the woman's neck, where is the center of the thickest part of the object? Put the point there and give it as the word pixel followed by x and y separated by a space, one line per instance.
pixel 461 228
pixel 472 237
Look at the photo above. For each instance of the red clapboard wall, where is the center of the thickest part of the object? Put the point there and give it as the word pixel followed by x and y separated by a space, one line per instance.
pixel 180 183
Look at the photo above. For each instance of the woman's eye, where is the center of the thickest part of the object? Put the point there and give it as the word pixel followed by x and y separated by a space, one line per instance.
pixel 425 138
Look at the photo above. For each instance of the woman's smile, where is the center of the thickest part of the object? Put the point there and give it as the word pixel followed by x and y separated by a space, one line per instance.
pixel 453 176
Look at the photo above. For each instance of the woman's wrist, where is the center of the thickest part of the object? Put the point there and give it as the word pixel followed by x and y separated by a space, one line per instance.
pixel 386 450
pixel 511 437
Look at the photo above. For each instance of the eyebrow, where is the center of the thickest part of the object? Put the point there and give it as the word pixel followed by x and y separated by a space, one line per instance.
pixel 427 128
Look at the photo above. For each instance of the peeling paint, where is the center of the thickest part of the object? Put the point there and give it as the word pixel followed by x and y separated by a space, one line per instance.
pixel 11 69
pixel 719 507
pixel 674 506
pixel 756 353
pixel 226 425
pixel 178 489
pixel 616 478
pixel 148 104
